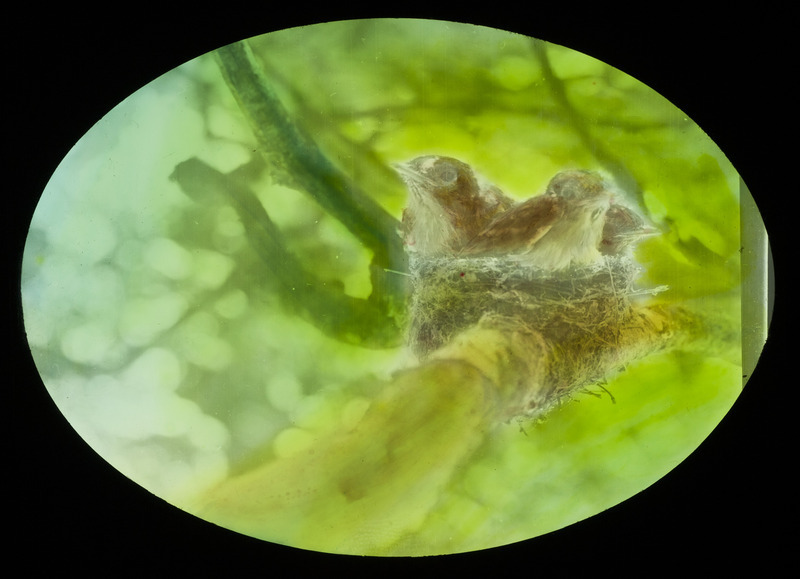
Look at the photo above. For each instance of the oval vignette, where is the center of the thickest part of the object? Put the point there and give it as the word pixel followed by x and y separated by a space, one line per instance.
pixel 152 305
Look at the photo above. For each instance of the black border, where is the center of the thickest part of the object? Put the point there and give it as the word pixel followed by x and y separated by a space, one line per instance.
pixel 727 504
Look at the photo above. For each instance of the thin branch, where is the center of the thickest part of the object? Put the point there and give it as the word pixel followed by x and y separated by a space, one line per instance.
pixel 568 111
pixel 344 317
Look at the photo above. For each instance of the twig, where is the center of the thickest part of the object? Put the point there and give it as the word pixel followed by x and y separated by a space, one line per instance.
pixel 568 111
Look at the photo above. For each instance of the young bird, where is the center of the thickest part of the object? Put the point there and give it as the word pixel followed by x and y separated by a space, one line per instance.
pixel 624 228
pixel 447 207
pixel 562 227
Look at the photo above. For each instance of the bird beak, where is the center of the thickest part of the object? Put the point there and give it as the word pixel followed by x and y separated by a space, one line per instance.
pixel 648 232
pixel 642 233
pixel 405 171
pixel 410 176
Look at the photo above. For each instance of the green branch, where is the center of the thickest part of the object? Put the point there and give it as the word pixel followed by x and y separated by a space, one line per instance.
pixel 334 312
pixel 295 160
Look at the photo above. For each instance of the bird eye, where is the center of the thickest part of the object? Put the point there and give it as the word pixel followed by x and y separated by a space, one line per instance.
pixel 446 174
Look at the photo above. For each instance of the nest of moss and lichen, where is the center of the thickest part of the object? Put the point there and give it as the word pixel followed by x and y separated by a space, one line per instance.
pixel 585 314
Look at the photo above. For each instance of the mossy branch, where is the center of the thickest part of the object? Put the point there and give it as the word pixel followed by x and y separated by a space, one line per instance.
pixel 295 160
pixel 366 488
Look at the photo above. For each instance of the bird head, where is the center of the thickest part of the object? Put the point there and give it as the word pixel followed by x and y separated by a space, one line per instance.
pixel 446 205
pixel 440 178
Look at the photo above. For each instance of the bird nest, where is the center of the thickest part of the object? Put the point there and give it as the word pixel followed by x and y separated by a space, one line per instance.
pixel 565 306
pixel 585 315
